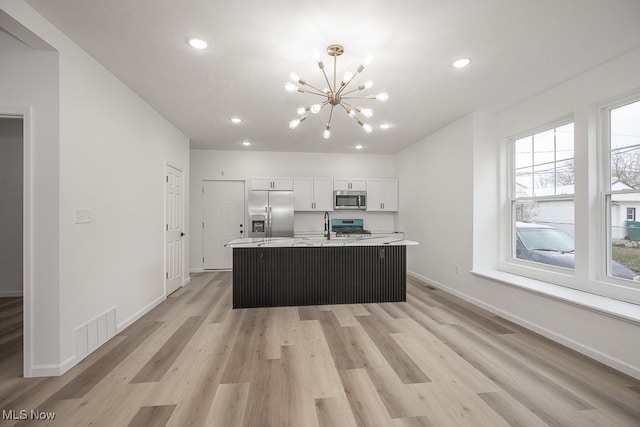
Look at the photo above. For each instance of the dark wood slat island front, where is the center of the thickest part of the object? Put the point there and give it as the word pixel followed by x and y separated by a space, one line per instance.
pixel 293 273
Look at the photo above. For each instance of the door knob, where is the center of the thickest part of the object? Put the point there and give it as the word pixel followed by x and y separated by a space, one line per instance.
pixel 182 234
pixel 241 231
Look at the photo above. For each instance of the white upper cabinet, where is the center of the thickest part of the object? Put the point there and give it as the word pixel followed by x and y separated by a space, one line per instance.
pixel 382 195
pixel 272 183
pixel 313 194
pixel 349 184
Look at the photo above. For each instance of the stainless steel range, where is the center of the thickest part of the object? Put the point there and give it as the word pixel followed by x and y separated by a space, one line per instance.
pixel 349 227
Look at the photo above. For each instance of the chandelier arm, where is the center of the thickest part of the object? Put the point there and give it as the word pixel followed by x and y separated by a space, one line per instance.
pixel 358 97
pixel 347 110
pixel 314 93
pixel 324 73
pixel 348 105
pixel 315 88
pixel 343 87
pixel 330 116
pixel 351 91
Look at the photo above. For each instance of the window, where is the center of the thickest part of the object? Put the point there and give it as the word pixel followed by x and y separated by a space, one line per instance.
pixel 631 214
pixel 622 190
pixel 542 197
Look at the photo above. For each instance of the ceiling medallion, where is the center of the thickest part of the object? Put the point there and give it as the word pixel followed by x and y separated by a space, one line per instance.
pixel 334 95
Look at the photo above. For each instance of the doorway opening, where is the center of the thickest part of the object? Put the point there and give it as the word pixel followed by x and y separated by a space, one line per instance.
pixel 14 325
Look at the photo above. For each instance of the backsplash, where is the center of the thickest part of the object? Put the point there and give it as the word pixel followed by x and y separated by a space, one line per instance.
pixel 313 222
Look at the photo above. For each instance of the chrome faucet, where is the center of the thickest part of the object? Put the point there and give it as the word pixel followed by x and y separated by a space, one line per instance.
pixel 327 227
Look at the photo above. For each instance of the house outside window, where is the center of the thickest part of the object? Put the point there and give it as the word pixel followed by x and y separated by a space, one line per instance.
pixel 621 193
pixel 542 197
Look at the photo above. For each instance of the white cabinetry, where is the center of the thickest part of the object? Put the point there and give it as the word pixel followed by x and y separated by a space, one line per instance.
pixel 313 194
pixel 272 183
pixel 382 195
pixel 342 184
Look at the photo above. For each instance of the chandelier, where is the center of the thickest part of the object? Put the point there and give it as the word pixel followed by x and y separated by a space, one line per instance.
pixel 335 95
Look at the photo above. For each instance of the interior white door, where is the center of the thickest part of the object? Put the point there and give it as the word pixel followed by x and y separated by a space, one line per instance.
pixel 223 221
pixel 174 229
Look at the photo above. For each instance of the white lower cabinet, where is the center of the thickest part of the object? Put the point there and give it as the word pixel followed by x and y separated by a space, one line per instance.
pixel 313 194
pixel 382 195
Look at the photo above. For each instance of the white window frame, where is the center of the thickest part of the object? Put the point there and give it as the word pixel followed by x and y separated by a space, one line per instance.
pixel 509 263
pixel 605 191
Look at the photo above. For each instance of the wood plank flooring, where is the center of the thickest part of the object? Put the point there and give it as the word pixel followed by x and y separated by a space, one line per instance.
pixel 432 361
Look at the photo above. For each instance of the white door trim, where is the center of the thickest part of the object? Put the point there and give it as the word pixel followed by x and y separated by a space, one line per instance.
pixel 27 226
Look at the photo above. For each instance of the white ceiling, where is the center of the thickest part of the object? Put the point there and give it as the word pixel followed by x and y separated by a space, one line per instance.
pixel 518 48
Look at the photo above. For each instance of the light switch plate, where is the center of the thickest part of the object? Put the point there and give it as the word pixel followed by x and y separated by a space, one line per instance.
pixel 82 216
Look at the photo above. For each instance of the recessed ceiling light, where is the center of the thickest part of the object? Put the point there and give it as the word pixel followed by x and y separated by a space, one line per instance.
pixel 359 147
pixel 198 44
pixel 236 120
pixel 385 126
pixel 246 143
pixel 461 63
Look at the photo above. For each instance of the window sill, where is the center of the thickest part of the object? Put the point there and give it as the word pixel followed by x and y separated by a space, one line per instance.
pixel 612 307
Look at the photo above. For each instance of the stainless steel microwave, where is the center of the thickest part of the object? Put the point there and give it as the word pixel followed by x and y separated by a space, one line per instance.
pixel 355 200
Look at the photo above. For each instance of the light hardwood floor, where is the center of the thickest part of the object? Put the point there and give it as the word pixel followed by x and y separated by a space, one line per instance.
pixel 432 361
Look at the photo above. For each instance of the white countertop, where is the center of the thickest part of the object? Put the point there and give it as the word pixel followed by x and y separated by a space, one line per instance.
pixel 393 239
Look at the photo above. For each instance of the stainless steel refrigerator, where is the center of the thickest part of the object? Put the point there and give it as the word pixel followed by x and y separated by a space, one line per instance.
pixel 271 213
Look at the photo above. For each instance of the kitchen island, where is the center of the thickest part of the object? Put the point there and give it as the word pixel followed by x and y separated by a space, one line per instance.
pixel 273 272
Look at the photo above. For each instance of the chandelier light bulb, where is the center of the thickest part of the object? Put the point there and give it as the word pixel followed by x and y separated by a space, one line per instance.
pixel 301 110
pixel 326 134
pixel 294 77
pixel 315 108
pixel 290 87
pixel 367 128
pixel 382 96
pixel 352 113
pixel 348 75
pixel 367 112
pixel 368 84
pixel 294 123
pixel 368 60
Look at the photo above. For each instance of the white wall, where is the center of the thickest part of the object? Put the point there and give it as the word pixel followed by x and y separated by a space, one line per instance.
pixel 467 231
pixel 436 206
pixel 113 149
pixel 11 206
pixel 242 165
pixel 29 79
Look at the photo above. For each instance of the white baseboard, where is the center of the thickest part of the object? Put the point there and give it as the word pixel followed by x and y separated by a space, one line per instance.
pixel 127 322
pixel 186 280
pixel 53 370
pixel 196 270
pixel 11 294
pixel 595 354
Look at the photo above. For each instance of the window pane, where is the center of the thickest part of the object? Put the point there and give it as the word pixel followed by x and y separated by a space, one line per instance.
pixel 625 146
pixel 544 163
pixel 524 182
pixel 564 142
pixel 545 232
pixel 625 236
pixel 524 152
